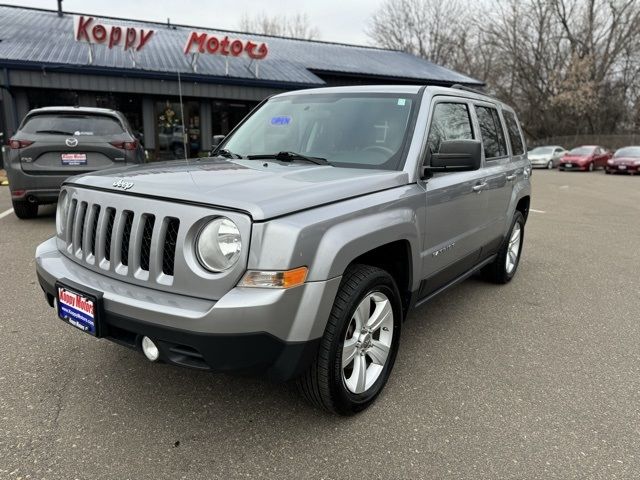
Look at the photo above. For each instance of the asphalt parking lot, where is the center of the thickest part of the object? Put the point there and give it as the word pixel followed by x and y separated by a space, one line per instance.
pixel 536 379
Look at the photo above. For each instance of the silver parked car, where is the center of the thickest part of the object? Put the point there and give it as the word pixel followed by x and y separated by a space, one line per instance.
pixel 54 143
pixel 546 157
pixel 300 247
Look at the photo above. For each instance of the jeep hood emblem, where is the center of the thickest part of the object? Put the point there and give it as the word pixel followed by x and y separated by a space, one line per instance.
pixel 71 142
pixel 123 184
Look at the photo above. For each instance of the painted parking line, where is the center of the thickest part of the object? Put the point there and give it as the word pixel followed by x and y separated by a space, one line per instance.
pixel 536 211
pixel 6 213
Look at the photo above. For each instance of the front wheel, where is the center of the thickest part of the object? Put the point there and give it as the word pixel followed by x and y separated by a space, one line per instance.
pixel 550 165
pixel 360 343
pixel 504 267
pixel 592 167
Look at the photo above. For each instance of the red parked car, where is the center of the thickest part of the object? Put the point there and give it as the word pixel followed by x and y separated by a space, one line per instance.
pixel 625 160
pixel 587 157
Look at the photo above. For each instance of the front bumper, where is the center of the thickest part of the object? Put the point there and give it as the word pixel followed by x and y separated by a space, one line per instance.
pixel 248 330
pixel 573 166
pixel 631 169
pixel 540 163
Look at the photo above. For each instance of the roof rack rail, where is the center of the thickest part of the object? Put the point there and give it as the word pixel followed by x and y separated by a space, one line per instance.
pixel 468 89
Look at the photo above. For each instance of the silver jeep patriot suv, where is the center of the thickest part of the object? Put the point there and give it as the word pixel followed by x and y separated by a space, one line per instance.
pixel 298 248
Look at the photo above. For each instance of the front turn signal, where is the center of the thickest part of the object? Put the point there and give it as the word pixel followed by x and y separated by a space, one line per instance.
pixel 274 279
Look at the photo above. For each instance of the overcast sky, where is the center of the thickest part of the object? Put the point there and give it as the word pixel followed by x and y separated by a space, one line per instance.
pixel 337 20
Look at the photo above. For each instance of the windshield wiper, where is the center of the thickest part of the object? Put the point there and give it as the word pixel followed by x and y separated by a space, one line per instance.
pixel 54 132
pixel 289 157
pixel 227 154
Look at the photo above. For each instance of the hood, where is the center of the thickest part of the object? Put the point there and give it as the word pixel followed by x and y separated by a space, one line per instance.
pixel 264 189
pixel 576 158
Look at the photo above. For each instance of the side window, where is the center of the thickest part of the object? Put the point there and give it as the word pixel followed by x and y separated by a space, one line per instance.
pixel 492 134
pixel 451 121
pixel 517 145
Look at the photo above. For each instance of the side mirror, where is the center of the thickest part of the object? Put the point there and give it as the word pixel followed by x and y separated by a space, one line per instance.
pixel 216 140
pixel 455 156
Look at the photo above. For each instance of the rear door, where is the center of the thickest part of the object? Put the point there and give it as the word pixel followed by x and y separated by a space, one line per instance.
pixel 454 203
pixel 500 174
pixel 71 143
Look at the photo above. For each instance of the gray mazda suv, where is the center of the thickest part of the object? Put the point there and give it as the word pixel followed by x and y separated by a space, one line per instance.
pixel 55 143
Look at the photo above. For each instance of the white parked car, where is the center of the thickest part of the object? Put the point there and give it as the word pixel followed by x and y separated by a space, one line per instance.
pixel 548 156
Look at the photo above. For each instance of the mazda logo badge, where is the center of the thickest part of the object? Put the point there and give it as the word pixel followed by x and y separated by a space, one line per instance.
pixel 71 142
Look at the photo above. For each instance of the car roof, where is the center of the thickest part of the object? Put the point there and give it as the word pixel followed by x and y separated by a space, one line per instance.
pixel 456 90
pixel 61 109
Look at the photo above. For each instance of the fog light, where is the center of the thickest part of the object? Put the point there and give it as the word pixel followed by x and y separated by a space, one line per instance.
pixel 149 349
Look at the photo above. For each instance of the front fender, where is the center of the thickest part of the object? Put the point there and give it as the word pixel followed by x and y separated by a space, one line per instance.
pixel 328 238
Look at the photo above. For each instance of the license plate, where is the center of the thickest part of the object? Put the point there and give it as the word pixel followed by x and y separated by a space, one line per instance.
pixel 73 159
pixel 78 308
pixel 567 165
pixel 622 167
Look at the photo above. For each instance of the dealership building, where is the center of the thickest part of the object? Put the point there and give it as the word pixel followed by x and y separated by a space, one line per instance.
pixel 150 70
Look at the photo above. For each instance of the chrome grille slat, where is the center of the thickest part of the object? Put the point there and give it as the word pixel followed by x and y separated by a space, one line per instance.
pixel 156 249
pixel 69 223
pixel 116 243
pixel 87 228
pixel 77 229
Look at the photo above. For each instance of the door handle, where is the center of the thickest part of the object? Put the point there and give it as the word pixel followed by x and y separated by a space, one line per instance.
pixel 478 188
pixel 511 177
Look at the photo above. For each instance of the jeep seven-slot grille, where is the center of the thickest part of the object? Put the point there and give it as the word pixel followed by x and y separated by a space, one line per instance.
pixel 94 234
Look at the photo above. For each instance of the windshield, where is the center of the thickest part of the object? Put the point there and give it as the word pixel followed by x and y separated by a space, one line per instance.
pixel 628 152
pixel 72 124
pixel 347 129
pixel 582 151
pixel 541 151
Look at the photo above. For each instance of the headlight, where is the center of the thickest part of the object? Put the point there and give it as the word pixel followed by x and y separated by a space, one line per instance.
pixel 62 211
pixel 637 163
pixel 218 245
pixel 610 162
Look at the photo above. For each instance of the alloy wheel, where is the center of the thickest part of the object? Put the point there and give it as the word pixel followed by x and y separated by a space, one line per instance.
pixel 513 249
pixel 367 342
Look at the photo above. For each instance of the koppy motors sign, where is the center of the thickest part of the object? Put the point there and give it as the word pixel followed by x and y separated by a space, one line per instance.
pixel 92 31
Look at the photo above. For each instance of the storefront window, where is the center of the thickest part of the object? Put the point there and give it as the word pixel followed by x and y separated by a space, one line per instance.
pixel 171 144
pixel 226 115
pixel 129 105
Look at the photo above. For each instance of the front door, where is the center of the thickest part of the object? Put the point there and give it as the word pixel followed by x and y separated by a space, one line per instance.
pixel 454 202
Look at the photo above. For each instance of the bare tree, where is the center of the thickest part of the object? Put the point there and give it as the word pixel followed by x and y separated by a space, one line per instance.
pixel 426 28
pixel 568 66
pixel 294 26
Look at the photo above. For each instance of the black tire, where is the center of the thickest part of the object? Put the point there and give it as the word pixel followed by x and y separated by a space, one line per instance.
pixel 25 210
pixel 592 167
pixel 323 384
pixel 608 172
pixel 496 271
pixel 550 165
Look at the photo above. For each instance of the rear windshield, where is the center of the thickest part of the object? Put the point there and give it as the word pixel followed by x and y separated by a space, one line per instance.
pixel 72 124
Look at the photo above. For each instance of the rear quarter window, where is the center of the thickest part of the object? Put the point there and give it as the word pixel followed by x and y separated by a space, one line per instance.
pixel 73 124
pixel 517 145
